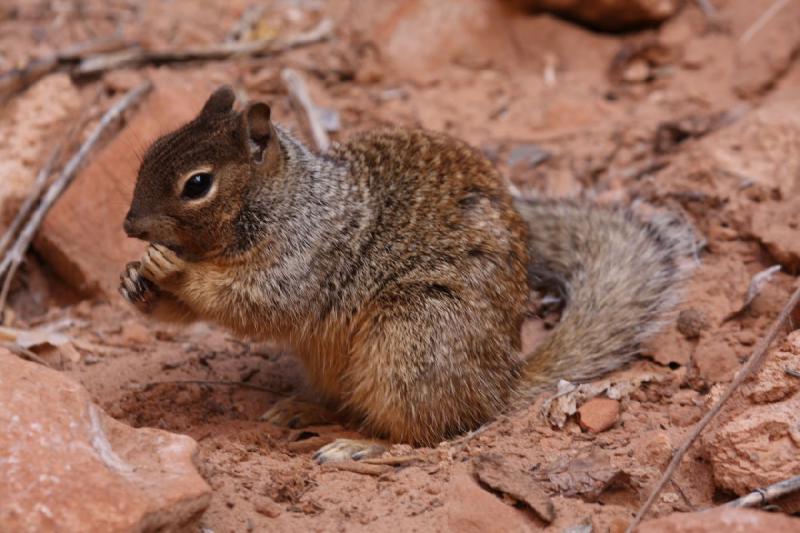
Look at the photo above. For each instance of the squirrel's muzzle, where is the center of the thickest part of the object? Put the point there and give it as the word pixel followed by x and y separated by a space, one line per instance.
pixel 133 227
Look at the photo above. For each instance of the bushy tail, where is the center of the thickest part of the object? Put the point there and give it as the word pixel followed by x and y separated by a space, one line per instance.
pixel 618 274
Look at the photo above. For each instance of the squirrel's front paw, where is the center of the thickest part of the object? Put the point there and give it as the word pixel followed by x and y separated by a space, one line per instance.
pixel 135 288
pixel 161 265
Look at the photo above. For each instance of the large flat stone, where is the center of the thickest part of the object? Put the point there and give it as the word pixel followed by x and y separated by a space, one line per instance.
pixel 67 466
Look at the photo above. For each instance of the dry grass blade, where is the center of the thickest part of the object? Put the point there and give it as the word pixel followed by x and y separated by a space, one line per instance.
pixel 16 253
pixel 753 364
pixel 136 56
pixel 769 494
pixel 761 21
pixel 301 99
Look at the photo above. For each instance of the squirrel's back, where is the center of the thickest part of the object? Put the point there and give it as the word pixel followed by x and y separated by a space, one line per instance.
pixel 616 273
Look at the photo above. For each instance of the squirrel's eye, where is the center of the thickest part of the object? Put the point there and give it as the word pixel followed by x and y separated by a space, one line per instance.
pixel 197 185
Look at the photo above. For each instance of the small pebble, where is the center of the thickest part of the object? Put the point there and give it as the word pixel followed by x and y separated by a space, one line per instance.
pixel 598 414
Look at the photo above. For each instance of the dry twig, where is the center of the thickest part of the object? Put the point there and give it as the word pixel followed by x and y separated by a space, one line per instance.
pixel 713 20
pixel 767 495
pixel 24 353
pixel 19 79
pixel 761 21
pixel 753 364
pixel 14 256
pixel 301 98
pixel 39 184
pixel 137 57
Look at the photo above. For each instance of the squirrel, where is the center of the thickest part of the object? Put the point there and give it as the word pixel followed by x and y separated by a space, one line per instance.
pixel 396 265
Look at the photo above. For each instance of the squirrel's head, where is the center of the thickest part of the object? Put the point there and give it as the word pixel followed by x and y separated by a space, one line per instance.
pixel 194 182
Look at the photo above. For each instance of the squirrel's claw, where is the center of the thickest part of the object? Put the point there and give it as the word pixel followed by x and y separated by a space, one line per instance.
pixel 293 413
pixel 160 264
pixel 134 288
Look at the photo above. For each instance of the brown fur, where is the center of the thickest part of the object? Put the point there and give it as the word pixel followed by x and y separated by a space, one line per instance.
pixel 396 266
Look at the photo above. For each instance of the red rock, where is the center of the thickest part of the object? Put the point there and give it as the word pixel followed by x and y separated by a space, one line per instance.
pixel 82 237
pixel 608 14
pixel 758 447
pixel 778 228
pixel 721 519
pixel 772 383
pixel 470 509
pixel 598 414
pixel 67 466
pixel 759 442
pixel 715 359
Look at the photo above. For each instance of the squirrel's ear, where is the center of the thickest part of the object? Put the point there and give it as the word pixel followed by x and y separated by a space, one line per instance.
pixel 258 127
pixel 221 101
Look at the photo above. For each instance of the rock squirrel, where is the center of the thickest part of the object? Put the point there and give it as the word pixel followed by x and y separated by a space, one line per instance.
pixel 397 266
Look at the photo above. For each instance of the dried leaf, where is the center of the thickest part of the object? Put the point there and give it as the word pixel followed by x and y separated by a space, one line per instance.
pixel 757 284
pixel 570 395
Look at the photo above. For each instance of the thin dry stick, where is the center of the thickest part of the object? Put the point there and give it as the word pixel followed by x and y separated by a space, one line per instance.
pixel 753 364
pixel 137 56
pixel 16 80
pixel 713 20
pixel 769 494
pixel 24 353
pixel 17 252
pixel 39 184
pixel 707 8
pixel 301 98
pixel 30 202
pixel 761 21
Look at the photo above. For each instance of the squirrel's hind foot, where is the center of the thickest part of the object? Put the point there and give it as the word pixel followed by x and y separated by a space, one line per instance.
pixel 293 413
pixel 349 449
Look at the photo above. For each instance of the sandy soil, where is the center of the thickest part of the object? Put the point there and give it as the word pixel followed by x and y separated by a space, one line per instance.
pixel 674 117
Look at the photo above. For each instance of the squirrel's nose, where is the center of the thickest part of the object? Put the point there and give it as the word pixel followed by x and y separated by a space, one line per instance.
pixel 131 228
